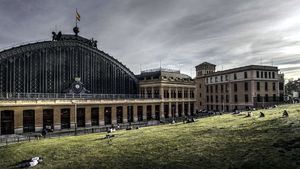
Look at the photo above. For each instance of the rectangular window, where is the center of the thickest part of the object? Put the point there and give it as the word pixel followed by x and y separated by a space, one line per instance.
pixel 273 75
pixel 235 87
pixel 235 77
pixel 207 89
pixel 246 98
pixel 235 98
pixel 246 86
pixel 222 98
pixel 274 86
pixel 216 79
pixel 207 98
pixel 217 98
pixel 266 86
pixel 227 98
pixel 216 88
pixel 262 74
pixel 226 77
pixel 258 97
pixel 211 98
pixel 211 89
pixel 245 75
pixel 257 74
pixel 222 88
pixel 222 78
pixel 269 75
pixel 257 86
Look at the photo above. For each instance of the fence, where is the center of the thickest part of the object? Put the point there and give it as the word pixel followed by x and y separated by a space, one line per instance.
pixel 41 96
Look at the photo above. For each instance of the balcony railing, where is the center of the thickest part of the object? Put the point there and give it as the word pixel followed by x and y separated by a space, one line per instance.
pixel 41 96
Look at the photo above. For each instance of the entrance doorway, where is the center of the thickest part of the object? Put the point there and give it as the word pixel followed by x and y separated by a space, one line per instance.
pixel 7 122
pixel 80 117
pixel 48 119
pixel 65 118
pixel 107 115
pixel 119 114
pixel 95 116
pixel 28 121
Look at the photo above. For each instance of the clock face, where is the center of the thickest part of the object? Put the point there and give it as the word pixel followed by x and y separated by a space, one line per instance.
pixel 77 87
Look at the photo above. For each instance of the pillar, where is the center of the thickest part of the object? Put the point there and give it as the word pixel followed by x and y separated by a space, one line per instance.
pixel 145 112
pixel 161 92
pixel 135 117
pixel 162 115
pixel 88 118
pixel 73 116
pixel 189 108
pixel 18 120
pixel 170 110
pixel 153 111
pixel 57 118
pixel 101 115
pixel 152 92
pixel 114 114
pixel 169 91
pixel 183 111
pixel 176 92
pixel 125 113
pixel 176 111
pixel 38 119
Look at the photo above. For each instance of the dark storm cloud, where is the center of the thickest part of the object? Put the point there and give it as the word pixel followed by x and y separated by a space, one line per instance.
pixel 178 34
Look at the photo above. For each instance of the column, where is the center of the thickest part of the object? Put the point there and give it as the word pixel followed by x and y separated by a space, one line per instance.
pixel 88 114
pixel 72 116
pixel 189 93
pixel 183 109
pixel 153 111
pixel 145 112
pixel 145 93
pixel 161 92
pixel 162 115
pixel 170 110
pixel 152 92
pixel 38 119
pixel 114 114
pixel 18 120
pixel 189 108
pixel 183 97
pixel 176 111
pixel 125 113
pixel 169 91
pixel 57 118
pixel 135 117
pixel 101 115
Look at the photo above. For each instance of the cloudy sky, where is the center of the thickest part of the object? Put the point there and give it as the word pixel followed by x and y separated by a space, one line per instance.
pixel 177 34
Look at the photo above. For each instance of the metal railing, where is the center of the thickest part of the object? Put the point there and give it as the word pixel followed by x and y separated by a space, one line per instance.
pixel 41 96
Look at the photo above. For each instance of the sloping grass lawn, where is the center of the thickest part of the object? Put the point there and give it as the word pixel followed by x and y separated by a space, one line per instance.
pixel 225 142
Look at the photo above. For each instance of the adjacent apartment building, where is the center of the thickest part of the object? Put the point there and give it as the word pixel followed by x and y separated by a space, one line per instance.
pixel 238 88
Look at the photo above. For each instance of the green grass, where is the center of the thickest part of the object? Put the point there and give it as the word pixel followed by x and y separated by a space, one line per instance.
pixel 226 141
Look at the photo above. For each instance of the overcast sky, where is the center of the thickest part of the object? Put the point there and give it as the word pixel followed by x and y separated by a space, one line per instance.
pixel 178 34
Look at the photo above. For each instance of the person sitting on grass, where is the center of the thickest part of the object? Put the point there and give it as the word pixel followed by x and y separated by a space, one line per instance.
pixel 249 114
pixel 261 114
pixel 285 114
